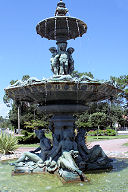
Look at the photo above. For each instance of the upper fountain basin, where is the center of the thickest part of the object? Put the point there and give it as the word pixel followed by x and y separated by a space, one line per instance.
pixel 64 27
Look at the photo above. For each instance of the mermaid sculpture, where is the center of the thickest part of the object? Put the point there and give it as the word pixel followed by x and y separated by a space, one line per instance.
pixel 93 158
pixel 33 160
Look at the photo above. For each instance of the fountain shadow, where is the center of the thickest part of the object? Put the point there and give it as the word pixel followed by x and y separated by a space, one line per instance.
pixel 117 166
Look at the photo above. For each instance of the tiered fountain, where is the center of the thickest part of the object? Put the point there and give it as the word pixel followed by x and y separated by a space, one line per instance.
pixel 62 96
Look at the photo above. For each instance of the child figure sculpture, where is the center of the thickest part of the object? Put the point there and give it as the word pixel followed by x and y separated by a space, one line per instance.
pixel 62 62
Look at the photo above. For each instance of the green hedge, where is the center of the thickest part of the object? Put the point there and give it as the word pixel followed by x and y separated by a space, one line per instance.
pixel 106 132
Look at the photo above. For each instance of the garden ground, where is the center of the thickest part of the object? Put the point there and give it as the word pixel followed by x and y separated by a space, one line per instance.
pixel 112 147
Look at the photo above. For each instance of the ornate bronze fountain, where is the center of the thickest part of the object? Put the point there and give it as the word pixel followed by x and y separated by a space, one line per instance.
pixel 62 95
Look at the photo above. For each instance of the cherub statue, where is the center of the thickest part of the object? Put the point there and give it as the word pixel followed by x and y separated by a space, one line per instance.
pixel 63 59
pixel 70 50
pixel 54 61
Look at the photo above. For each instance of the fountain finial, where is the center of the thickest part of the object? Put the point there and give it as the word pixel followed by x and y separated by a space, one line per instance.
pixel 61 9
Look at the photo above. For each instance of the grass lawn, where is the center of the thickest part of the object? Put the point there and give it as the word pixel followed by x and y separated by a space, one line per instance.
pixel 48 135
pixel 28 145
pixel 100 138
pixel 126 144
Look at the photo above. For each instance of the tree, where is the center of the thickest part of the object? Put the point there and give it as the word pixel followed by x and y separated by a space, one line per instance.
pixel 122 83
pixel 6 99
pixel 83 120
pixel 5 123
pixel 14 113
pixel 38 123
pixel 98 120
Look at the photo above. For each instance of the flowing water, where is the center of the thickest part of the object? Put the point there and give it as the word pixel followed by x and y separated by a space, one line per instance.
pixel 67 26
pixel 77 92
pixel 46 94
pixel 78 27
pixel 55 29
pixel 113 181
pixel 45 28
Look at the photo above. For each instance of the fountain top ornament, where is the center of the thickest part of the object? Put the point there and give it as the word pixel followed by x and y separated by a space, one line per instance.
pixel 61 27
pixel 61 9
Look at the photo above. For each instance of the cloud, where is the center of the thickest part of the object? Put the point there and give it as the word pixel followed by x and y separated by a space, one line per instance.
pixel 4 110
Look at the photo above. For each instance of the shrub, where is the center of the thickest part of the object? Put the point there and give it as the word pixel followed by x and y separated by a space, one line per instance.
pixel 28 138
pixel 92 133
pixel 110 132
pixel 107 132
pixel 8 143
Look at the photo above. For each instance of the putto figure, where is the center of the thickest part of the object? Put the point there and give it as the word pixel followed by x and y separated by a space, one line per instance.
pixel 63 59
pixel 62 62
pixel 70 51
pixel 54 61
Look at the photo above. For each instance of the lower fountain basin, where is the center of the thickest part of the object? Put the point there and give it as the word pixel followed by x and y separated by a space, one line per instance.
pixel 113 181
pixel 61 92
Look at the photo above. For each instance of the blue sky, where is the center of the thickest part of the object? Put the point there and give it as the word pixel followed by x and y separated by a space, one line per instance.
pixel 103 50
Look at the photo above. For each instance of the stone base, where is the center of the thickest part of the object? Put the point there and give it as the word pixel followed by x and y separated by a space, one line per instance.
pixel 68 177
pixel 64 179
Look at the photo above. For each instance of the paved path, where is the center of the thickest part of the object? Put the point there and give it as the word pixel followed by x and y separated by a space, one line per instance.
pixel 113 148
pixel 25 149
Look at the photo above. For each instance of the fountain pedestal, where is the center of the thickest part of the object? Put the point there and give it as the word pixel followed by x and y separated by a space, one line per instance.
pixel 63 120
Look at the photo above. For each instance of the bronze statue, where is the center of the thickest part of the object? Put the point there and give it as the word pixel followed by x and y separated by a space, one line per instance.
pixel 93 158
pixel 70 51
pixel 38 158
pixel 62 62
pixel 54 61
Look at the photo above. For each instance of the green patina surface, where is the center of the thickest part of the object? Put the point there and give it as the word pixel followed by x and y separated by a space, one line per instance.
pixel 114 181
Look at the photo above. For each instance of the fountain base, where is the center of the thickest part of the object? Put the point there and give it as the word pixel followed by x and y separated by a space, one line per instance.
pixel 68 156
